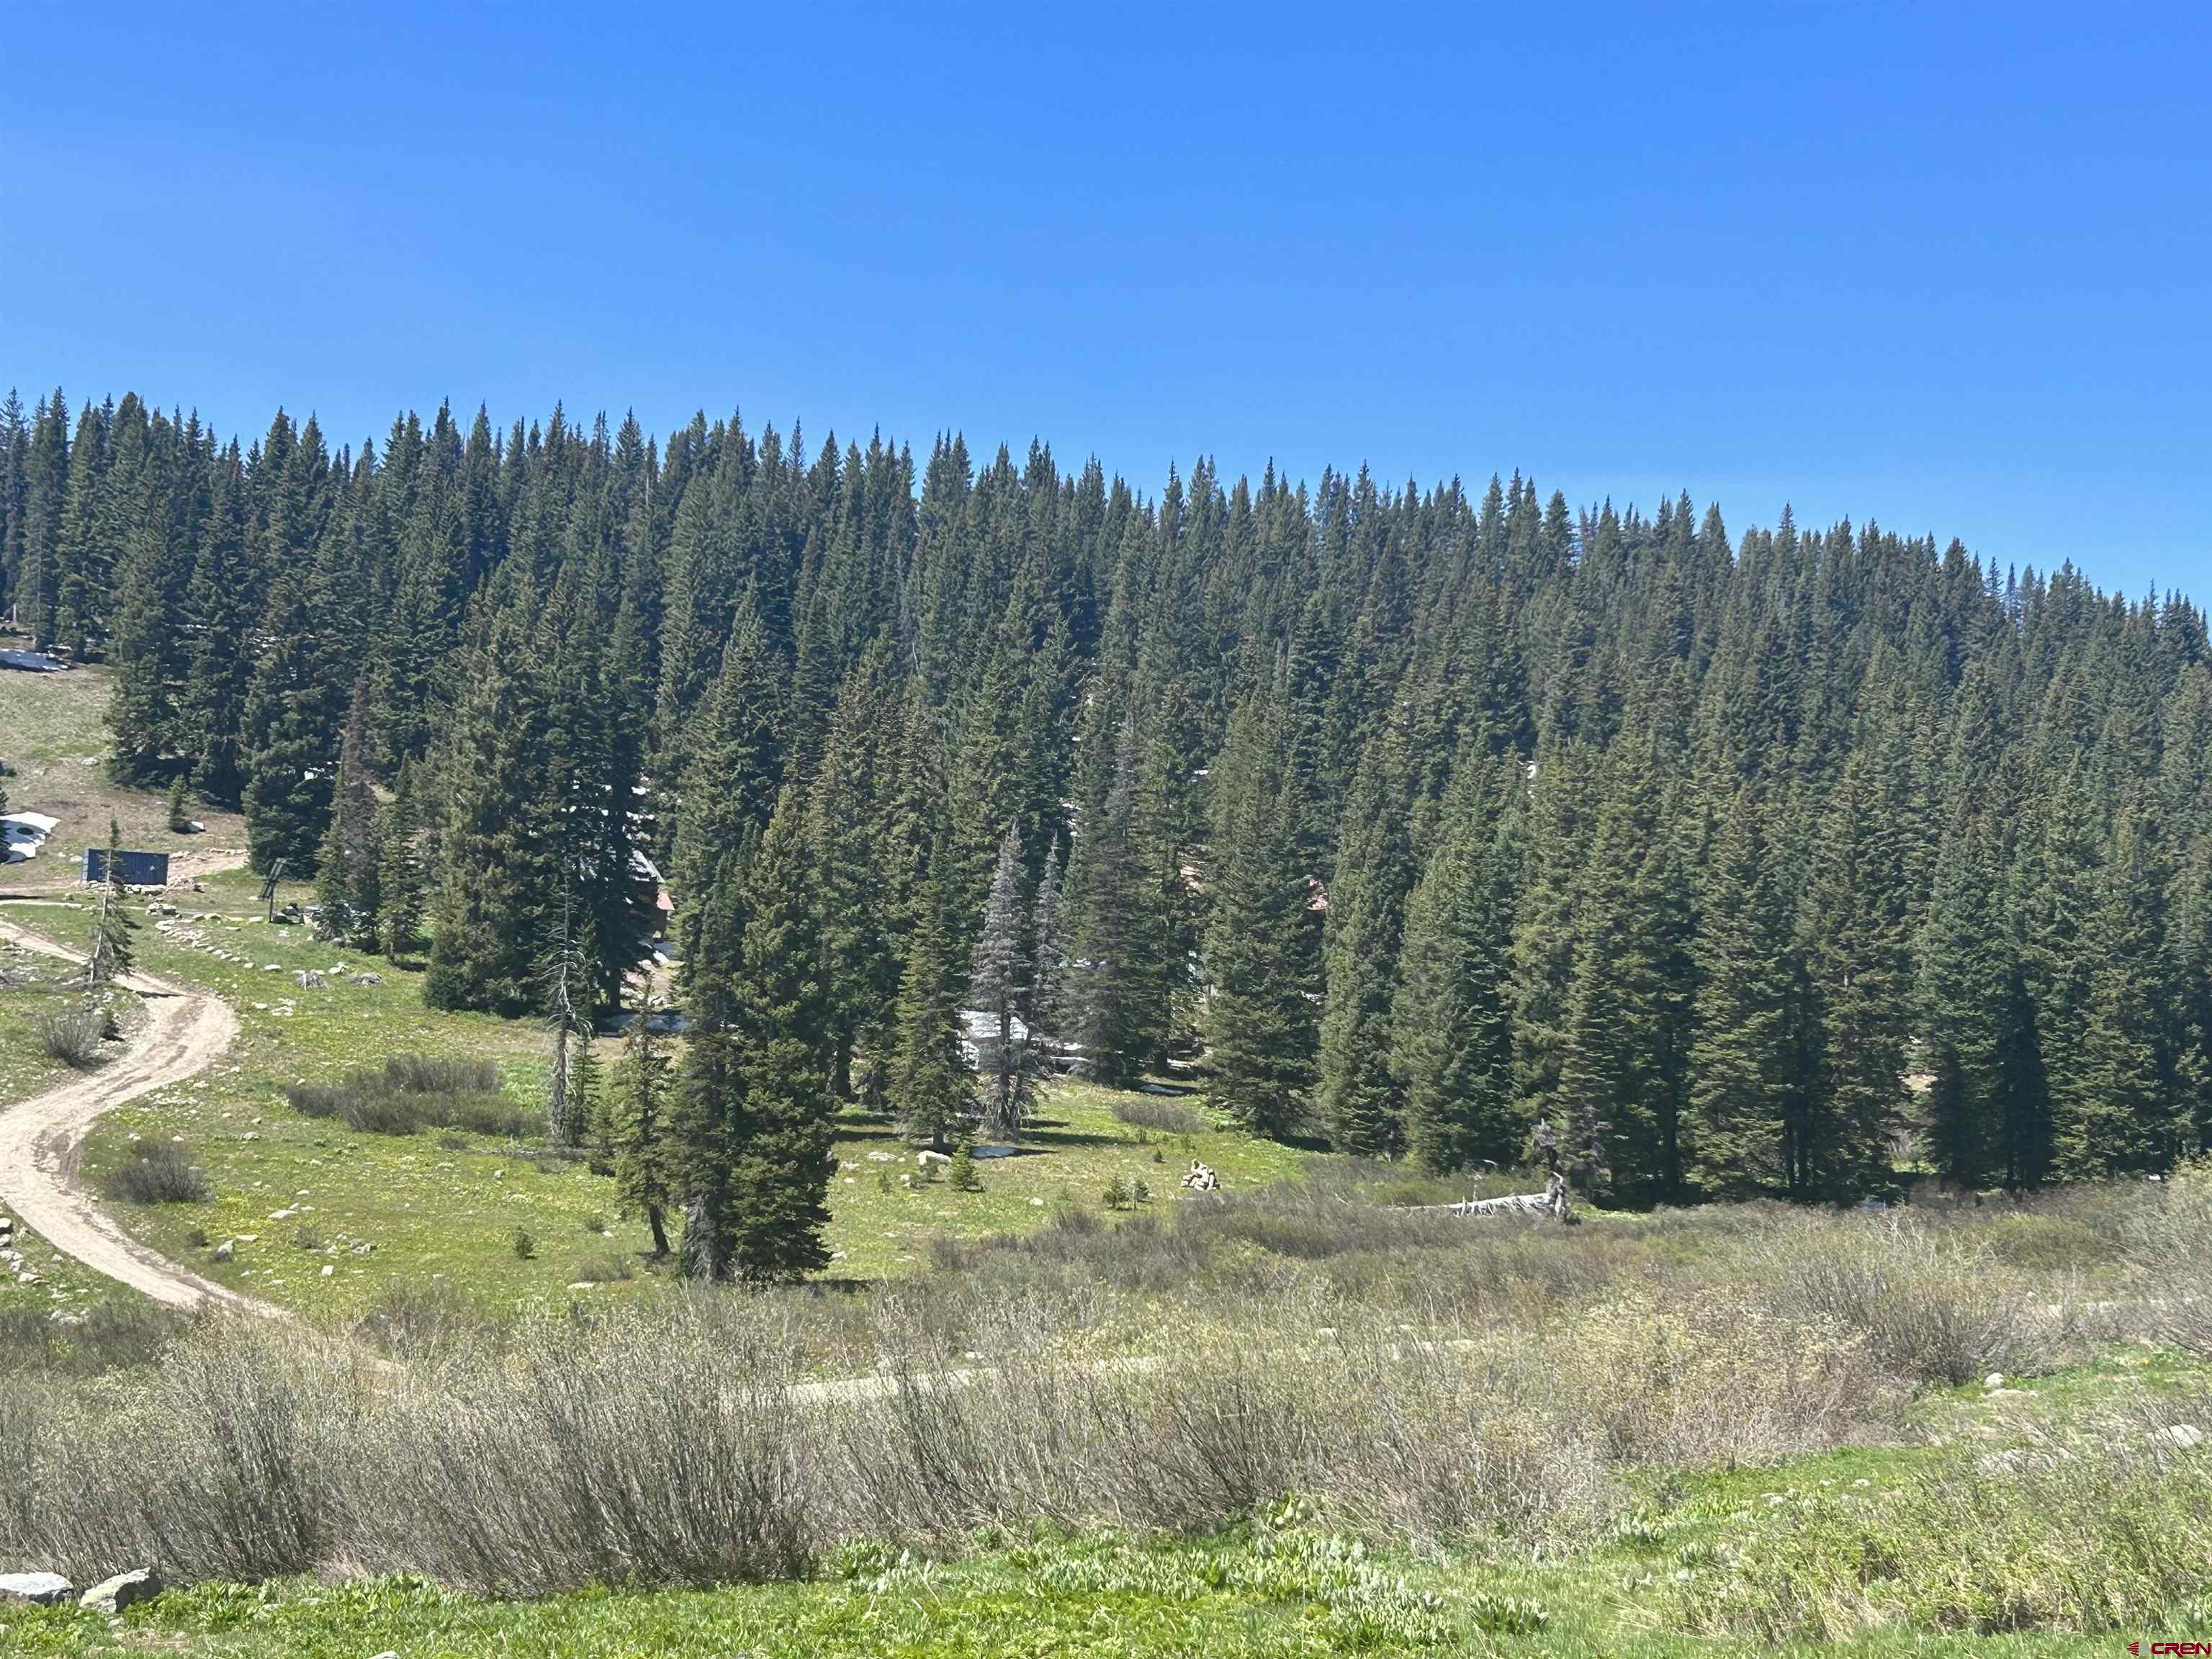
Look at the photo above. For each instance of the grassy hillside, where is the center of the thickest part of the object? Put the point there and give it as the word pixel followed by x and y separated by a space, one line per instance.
pixel 496 1218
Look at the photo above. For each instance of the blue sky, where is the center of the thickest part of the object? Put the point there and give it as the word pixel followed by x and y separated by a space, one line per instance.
pixel 1942 266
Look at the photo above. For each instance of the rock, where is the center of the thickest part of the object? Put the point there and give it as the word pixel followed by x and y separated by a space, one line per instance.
pixel 883 1157
pixel 2184 1436
pixel 113 1595
pixel 38 1588
pixel 1994 1380
pixel 308 979
pixel 368 978
pixel 228 1248
pixel 928 1157
pixel 1037 1204
pixel 328 1271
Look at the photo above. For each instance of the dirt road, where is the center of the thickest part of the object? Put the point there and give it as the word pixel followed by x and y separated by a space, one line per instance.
pixel 186 1030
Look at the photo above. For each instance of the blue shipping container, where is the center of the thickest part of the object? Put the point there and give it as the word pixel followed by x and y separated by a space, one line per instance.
pixel 139 869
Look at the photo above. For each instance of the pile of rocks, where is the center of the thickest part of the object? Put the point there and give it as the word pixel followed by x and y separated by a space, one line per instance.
pixel 109 1596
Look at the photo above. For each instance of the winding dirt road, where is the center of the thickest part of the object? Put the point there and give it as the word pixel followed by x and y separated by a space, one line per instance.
pixel 186 1030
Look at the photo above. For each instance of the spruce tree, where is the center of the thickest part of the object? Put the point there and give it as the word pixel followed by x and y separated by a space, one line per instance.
pixel 291 737
pixel 1262 943
pixel 500 844
pixel 1452 1022
pixel 998 984
pixel 1742 1056
pixel 110 956
pixel 638 1128
pixel 779 1184
pixel 1367 893
pixel 399 876
pixel 349 868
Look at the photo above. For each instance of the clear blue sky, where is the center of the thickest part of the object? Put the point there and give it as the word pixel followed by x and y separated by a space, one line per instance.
pixel 1950 268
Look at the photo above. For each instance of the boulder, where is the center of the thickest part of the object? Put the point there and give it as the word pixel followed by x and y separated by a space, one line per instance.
pixel 125 1589
pixel 228 1248
pixel 2184 1436
pixel 39 1589
pixel 926 1158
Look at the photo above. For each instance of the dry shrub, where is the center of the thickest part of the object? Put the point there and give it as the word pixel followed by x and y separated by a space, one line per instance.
pixel 1931 1306
pixel 2168 1240
pixel 218 1463
pixel 158 1172
pixel 1161 1114
pixel 70 1034
pixel 412 1092
pixel 432 1074
pixel 657 1452
pixel 1711 1383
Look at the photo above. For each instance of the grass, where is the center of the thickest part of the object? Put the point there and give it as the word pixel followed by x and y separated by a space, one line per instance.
pixel 58 744
pixel 1282 1583
pixel 440 1211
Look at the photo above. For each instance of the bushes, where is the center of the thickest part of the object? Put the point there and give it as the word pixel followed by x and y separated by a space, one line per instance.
pixel 158 1172
pixel 71 1034
pixel 1159 1114
pixel 1930 1308
pixel 431 1074
pixel 412 1092
pixel 2107 1529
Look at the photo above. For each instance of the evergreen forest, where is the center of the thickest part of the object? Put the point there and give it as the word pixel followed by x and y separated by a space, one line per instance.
pixel 1463 826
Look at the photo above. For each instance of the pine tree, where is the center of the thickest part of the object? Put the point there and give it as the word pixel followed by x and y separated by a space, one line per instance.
pixel 1856 924
pixel 218 620
pixel 1262 944
pixel 1048 969
pixel 348 870
pixel 931 1088
pixel 1741 1057
pixel 1367 894
pixel 637 1126
pixel 399 877
pixel 110 956
pixel 779 1183
pixel 1117 987
pixel 292 725
pixel 1452 1022
pixel 2125 1119
pixel 568 976
pixel 499 847
pixel 998 985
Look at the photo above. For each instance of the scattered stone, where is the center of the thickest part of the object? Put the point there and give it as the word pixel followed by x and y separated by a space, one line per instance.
pixel 328 1270
pixel 883 1157
pixel 368 978
pixel 1037 1204
pixel 1994 1380
pixel 125 1589
pixel 40 1590
pixel 225 1250
pixel 2186 1436
pixel 308 979
pixel 926 1157
pixel 1202 1178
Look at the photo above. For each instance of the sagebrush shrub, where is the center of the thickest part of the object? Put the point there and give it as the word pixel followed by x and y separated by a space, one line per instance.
pixel 158 1172
pixel 70 1034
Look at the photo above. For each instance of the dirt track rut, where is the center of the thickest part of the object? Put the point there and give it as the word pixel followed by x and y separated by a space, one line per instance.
pixel 186 1031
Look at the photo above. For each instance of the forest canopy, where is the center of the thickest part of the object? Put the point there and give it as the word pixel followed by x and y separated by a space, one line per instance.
pixel 1420 820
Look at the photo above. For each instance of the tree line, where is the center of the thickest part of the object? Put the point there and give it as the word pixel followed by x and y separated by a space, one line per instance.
pixel 1432 822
